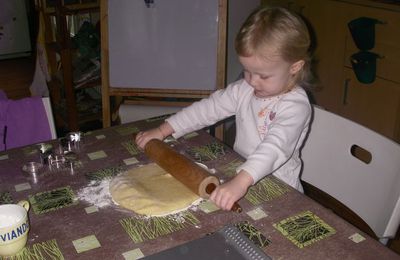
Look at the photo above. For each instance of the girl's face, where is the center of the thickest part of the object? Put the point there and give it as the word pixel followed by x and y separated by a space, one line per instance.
pixel 269 77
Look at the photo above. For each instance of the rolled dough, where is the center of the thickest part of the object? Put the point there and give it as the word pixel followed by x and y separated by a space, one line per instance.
pixel 149 190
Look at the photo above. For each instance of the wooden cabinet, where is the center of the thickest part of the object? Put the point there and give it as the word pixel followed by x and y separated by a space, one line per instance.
pixel 375 105
pixel 75 86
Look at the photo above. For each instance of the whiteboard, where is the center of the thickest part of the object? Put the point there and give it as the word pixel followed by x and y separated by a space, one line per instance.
pixel 170 44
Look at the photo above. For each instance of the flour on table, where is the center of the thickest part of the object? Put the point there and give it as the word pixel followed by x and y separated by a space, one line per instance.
pixel 97 193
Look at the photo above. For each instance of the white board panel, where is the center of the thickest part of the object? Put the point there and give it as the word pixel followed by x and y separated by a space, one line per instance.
pixel 239 10
pixel 170 45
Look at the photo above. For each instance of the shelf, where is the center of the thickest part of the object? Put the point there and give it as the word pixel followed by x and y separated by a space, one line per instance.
pixel 69 6
pixel 87 110
pixel 74 73
pixel 95 82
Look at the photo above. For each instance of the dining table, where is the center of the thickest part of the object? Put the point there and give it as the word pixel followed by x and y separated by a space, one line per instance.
pixel 73 216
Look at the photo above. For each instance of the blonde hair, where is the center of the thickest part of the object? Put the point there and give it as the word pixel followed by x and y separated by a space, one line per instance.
pixel 277 30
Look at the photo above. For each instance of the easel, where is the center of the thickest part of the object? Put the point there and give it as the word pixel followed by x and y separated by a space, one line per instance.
pixel 118 93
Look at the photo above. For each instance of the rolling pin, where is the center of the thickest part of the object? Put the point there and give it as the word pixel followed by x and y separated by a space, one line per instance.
pixel 193 176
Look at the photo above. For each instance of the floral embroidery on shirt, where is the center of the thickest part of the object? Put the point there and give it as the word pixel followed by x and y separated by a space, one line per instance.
pixel 262 127
pixel 268 118
pixel 262 112
pixel 266 115
pixel 272 116
pixel 262 130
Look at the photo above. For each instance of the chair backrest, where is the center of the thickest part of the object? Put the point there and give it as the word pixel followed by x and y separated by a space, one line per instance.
pixel 25 121
pixel 331 163
pixel 50 117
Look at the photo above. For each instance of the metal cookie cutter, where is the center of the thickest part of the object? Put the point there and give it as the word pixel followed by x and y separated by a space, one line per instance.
pixel 45 150
pixel 56 162
pixel 33 169
pixel 75 140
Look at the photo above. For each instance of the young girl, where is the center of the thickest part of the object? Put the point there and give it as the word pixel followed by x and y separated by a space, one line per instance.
pixel 271 107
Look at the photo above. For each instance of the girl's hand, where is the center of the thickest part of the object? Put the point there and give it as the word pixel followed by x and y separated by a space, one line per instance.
pixel 228 193
pixel 143 137
pixel 159 133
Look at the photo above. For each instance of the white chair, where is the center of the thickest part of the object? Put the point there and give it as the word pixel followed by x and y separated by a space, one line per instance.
pixel 333 164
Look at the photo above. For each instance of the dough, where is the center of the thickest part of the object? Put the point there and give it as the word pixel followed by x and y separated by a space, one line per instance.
pixel 149 190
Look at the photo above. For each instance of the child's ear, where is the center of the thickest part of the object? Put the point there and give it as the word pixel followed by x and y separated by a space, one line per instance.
pixel 296 67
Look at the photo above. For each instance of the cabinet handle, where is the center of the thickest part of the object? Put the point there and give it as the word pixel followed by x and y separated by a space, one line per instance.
pixel 345 90
pixel 382 22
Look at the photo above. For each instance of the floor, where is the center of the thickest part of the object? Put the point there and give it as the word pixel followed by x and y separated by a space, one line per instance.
pixel 16 76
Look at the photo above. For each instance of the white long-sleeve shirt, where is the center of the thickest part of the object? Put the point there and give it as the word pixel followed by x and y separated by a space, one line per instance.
pixel 269 132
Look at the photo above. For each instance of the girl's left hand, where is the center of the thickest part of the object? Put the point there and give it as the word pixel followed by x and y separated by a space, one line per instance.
pixel 159 133
pixel 228 193
pixel 143 137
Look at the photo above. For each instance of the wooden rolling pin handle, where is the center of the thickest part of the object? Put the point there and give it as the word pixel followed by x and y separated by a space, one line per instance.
pixel 235 207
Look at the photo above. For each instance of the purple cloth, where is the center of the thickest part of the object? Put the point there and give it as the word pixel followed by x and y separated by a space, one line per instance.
pixel 23 122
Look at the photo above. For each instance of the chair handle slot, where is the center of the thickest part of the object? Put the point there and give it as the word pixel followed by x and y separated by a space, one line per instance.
pixel 361 154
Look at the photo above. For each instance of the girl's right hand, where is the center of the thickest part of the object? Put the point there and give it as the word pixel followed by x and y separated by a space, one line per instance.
pixel 225 195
